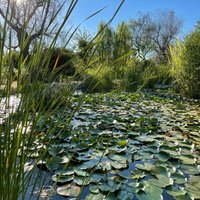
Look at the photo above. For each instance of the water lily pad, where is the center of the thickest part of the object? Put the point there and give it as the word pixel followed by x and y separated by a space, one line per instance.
pixel 53 163
pixel 55 150
pixel 193 189
pixel 82 180
pixel 149 192
pixel 69 191
pixel 62 179
pixel 146 139
pixel 110 186
pixel 81 172
pixel 159 170
pixel 94 189
pixel 89 164
pixel 136 174
pixel 119 158
pixel 177 191
pixel 95 197
pixel 189 169
pixel 125 195
pixel 161 181
pixel 187 159
pixel 145 167
pixel 179 178
pixel 163 156
pixel 96 177
pixel 118 165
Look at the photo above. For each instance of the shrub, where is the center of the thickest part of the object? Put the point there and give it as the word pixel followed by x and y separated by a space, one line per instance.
pixel 60 63
pixel 156 74
pixel 99 79
pixel 186 65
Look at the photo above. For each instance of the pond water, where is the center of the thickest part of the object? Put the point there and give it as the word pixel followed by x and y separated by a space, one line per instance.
pixel 125 146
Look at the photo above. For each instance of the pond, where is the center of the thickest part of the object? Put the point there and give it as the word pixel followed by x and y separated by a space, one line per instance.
pixel 124 146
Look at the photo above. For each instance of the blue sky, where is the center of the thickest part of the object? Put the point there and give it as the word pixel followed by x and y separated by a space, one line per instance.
pixel 189 10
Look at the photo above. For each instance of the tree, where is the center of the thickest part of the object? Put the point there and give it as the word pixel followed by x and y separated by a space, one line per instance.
pixel 84 46
pixel 162 27
pixel 29 20
pixel 140 39
pixel 123 51
pixel 104 43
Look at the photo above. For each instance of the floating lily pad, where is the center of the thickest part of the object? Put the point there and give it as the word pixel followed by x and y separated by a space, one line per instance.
pixel 69 191
pixel 95 197
pixel 187 159
pixel 81 172
pixel 82 180
pixel 149 192
pixel 136 174
pixel 53 163
pixel 62 179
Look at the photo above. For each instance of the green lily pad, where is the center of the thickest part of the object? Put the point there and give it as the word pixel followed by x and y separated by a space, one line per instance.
pixel 146 139
pixel 53 163
pixel 163 156
pixel 125 195
pixel 177 191
pixel 118 165
pixel 69 191
pixel 96 177
pixel 161 181
pixel 159 170
pixel 82 180
pixel 62 179
pixel 109 186
pixel 193 189
pixel 136 174
pixel 187 159
pixel 55 150
pixel 94 189
pixel 178 178
pixel 81 172
pixel 89 164
pixel 190 169
pixel 119 158
pixel 149 192
pixel 95 197
pixel 145 167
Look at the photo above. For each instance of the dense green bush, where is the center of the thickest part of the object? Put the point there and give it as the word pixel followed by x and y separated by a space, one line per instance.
pixel 60 63
pixel 156 74
pixel 186 65
pixel 99 79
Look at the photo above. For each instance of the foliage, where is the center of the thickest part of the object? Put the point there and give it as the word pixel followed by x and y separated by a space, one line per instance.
pixel 59 63
pixel 185 64
pixel 142 151
pixel 99 80
pixel 156 74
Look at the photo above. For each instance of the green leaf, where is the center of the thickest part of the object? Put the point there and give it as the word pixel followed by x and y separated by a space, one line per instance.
pixel 150 192
pixel 62 179
pixel 119 158
pixel 53 163
pixel 138 174
pixel 68 190
pixel 95 197
pixel 80 172
pixel 81 180
pixel 187 159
